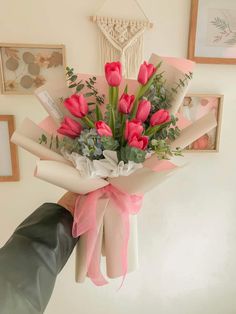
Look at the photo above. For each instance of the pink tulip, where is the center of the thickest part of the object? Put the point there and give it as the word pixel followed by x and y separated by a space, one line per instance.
pixel 160 117
pixel 113 73
pixel 139 142
pixel 103 129
pixel 77 105
pixel 133 128
pixel 143 111
pixel 125 103
pixel 145 72
pixel 70 128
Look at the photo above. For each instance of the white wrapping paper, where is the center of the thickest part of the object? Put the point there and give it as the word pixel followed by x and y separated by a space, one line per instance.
pixel 55 169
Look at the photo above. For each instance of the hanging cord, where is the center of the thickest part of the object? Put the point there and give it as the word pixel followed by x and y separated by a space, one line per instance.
pixel 94 18
pixel 142 10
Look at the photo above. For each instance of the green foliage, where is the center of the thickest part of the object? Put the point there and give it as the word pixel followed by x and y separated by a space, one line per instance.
pixel 54 141
pixel 157 94
pixel 99 115
pixel 88 144
pixel 182 82
pixel 109 143
pixel 133 154
pixel 43 139
pixel 168 131
pixel 79 85
pixel 90 84
pixel 163 150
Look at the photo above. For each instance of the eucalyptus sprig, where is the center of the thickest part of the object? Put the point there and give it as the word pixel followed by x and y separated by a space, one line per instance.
pixel 182 82
pixel 163 150
pixel 54 141
pixel 79 85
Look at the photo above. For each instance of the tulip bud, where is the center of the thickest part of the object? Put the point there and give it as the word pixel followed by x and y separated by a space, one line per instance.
pixel 160 117
pixel 139 142
pixel 70 128
pixel 125 103
pixel 113 73
pixel 143 111
pixel 103 129
pixel 77 105
pixel 145 72
pixel 133 128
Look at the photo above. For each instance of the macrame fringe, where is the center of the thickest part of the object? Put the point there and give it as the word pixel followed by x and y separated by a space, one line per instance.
pixel 131 58
pixel 122 40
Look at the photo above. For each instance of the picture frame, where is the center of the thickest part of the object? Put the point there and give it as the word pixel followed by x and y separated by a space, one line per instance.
pixel 25 67
pixel 9 164
pixel 194 107
pixel 212 32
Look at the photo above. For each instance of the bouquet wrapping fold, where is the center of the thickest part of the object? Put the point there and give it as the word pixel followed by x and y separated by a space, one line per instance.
pixel 105 216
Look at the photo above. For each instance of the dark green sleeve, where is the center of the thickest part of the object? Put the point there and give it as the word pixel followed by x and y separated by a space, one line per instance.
pixel 32 258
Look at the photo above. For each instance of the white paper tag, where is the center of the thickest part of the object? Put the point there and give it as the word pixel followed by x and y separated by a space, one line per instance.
pixel 50 106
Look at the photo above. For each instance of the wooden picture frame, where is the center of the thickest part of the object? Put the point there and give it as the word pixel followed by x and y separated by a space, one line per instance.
pixel 208 102
pixel 201 49
pixel 25 67
pixel 7 128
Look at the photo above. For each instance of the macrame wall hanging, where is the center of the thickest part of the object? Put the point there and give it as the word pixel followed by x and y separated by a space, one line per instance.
pixel 122 40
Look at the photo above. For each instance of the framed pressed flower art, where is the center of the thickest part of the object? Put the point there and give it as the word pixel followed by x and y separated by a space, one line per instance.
pixel 212 36
pixel 194 107
pixel 25 67
pixel 9 168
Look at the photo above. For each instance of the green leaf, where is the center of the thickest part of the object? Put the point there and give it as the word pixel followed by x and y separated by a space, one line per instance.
pixel 73 78
pixel 72 85
pixel 57 142
pixel 79 87
pixel 51 141
pixel 98 113
pixel 111 116
pixel 109 143
pixel 88 94
pixel 43 139
pixel 133 154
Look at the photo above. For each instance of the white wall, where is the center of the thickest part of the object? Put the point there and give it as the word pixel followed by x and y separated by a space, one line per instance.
pixel 187 226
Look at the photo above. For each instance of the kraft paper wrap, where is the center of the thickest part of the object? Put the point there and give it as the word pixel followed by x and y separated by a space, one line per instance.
pixel 53 167
pixel 175 70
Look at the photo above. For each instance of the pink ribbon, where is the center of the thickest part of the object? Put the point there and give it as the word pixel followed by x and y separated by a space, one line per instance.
pixel 85 222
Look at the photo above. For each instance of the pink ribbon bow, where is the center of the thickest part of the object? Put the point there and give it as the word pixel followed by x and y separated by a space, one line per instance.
pixel 85 222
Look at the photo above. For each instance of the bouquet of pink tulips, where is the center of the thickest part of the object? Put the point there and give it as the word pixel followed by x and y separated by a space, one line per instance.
pixel 109 140
pixel 133 126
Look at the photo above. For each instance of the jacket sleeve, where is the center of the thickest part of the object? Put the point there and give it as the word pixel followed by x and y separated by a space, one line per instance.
pixel 32 258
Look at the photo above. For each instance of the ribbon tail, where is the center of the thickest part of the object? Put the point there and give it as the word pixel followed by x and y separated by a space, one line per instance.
pixel 94 271
pixel 84 214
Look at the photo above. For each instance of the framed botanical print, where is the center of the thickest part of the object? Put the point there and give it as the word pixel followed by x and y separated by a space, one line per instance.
pixel 25 67
pixel 9 167
pixel 212 35
pixel 196 106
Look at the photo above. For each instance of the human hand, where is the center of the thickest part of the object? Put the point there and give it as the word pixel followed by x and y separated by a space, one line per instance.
pixel 68 201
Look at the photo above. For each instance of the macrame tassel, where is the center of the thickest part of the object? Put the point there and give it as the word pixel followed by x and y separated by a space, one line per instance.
pixel 108 53
pixel 133 58
pixel 122 40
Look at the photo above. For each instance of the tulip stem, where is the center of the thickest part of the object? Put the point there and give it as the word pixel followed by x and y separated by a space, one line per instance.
pixel 87 121
pixel 154 129
pixel 112 122
pixel 110 94
pixel 115 98
pixel 123 120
